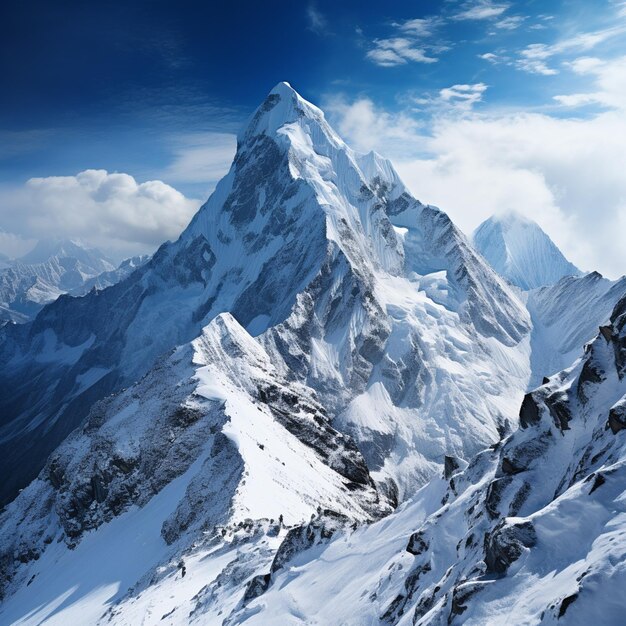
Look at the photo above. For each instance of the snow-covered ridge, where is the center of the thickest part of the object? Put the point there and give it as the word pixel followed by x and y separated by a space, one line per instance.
pixel 518 249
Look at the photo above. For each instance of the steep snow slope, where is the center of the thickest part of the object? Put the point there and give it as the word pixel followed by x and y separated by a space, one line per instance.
pixel 565 316
pixel 519 250
pixel 369 297
pixel 53 267
pixel 531 532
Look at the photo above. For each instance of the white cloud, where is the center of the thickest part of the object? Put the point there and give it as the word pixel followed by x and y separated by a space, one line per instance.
pixel 482 10
pixel 567 174
pixel 578 99
pixel 609 82
pixel 491 57
pixel 110 210
pixel 533 59
pixel 14 246
pixel 369 128
pixel 397 51
pixel 422 27
pixel 317 21
pixel 412 42
pixel 463 96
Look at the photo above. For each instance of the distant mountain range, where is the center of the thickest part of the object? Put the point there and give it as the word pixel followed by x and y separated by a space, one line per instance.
pixel 52 268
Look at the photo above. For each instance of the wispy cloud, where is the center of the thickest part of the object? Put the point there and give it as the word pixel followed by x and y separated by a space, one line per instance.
pixel 412 42
pixel 202 157
pixel 609 83
pixel 463 96
pixel 492 57
pixel 510 23
pixel 317 21
pixel 534 57
pixel 481 10
pixel 422 26
pixel 397 51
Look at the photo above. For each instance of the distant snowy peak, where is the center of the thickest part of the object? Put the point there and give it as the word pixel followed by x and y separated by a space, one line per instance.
pixel 53 267
pixel 518 249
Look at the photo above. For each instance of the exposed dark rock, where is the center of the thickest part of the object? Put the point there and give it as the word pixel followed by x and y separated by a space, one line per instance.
pixel 598 481
pixel 617 418
pixel 397 607
pixel 519 498
pixel 606 332
pixel 99 489
pixel 506 543
pixel 301 538
pixel 589 374
pixel 508 467
pixel 450 465
pixel 545 380
pixel 256 587
pixel 566 603
pixel 461 593
pixel 529 412
pixel 494 495
pixel 417 544
pixel 558 405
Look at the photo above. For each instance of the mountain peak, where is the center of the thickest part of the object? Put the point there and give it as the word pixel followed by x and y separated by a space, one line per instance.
pixel 283 105
pixel 283 88
pixel 518 249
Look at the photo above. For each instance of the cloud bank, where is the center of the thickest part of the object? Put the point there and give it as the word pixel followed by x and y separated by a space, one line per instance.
pixel 109 210
pixel 564 172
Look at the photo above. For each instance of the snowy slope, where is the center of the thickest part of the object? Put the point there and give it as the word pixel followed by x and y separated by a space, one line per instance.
pixel 519 250
pixel 565 316
pixel 531 532
pixel 367 296
pixel 111 277
pixel 161 470
pixel 52 268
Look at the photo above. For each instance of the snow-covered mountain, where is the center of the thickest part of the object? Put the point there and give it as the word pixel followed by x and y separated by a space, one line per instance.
pixel 518 249
pixel 111 277
pixel 52 268
pixel 216 429
pixel 356 289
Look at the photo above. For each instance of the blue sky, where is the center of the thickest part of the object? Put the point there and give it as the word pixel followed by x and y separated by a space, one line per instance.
pixel 480 96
